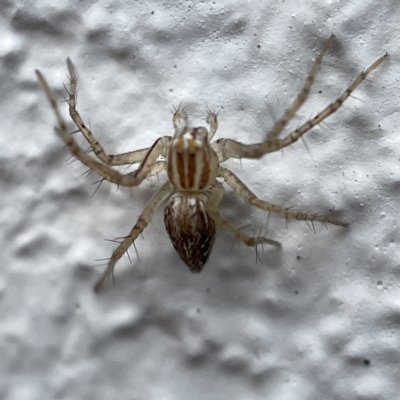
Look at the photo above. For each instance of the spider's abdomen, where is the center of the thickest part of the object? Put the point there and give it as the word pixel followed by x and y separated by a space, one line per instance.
pixel 192 163
pixel 191 230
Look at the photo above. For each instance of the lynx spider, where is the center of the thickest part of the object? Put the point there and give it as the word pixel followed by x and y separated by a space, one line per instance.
pixel 193 165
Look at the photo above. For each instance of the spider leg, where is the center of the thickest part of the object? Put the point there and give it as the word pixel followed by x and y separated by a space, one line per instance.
pixel 134 178
pixel 215 195
pixel 157 168
pixel 330 109
pixel 245 193
pixel 227 148
pixel 302 97
pixel 131 157
pixel 158 197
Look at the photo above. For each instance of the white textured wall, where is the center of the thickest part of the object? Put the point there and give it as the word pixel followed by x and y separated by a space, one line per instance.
pixel 319 319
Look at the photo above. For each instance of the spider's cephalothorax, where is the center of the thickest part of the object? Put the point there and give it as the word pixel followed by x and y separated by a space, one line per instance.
pixel 193 166
pixel 192 163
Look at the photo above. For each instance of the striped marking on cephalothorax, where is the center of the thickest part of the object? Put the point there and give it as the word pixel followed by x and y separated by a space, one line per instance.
pixel 189 160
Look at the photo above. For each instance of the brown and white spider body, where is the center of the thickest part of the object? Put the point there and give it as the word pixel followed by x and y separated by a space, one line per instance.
pixel 193 165
pixel 192 168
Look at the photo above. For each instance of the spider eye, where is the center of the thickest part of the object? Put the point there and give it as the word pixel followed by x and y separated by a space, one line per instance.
pixel 199 133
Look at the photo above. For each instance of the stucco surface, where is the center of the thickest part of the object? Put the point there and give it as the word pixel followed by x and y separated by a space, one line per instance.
pixel 317 319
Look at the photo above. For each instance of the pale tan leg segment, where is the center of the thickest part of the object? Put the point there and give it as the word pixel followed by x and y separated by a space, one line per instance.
pixel 110 159
pixel 330 109
pixel 131 179
pixel 158 197
pixel 214 198
pixel 157 168
pixel 302 97
pixel 243 191
pixel 227 148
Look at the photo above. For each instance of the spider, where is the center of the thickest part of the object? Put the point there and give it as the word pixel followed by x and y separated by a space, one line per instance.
pixel 193 165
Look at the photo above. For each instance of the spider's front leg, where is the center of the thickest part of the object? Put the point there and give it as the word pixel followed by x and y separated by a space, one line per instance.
pixel 148 165
pixel 131 157
pixel 227 148
pixel 246 194
pixel 158 197
pixel 330 109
